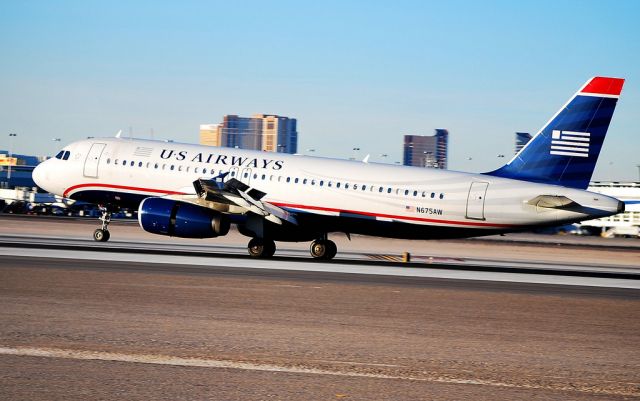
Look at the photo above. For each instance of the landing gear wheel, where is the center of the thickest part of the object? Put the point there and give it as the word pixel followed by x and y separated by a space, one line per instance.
pixel 101 235
pixel 261 248
pixel 323 249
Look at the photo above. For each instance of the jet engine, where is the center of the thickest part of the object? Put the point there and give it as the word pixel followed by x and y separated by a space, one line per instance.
pixel 181 219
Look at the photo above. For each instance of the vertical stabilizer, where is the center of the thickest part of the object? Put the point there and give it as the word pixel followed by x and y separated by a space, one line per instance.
pixel 565 151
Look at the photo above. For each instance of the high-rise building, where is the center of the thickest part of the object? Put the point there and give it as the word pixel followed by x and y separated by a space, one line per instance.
pixel 522 138
pixel 210 134
pixel 426 151
pixel 266 132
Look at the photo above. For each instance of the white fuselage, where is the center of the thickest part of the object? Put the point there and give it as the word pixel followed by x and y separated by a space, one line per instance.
pixel 126 171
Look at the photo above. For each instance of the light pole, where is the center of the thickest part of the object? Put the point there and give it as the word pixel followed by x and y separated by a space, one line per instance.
pixel 55 140
pixel 638 166
pixel 355 153
pixel 10 155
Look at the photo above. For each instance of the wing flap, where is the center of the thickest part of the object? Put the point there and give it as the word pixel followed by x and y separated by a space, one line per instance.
pixel 235 192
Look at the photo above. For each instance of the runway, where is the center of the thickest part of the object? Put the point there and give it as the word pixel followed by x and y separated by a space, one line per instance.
pixel 147 319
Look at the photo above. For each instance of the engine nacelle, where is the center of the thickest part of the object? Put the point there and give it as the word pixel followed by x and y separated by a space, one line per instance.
pixel 181 219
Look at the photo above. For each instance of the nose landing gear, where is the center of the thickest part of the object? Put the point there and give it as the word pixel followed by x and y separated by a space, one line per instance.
pixel 323 249
pixel 102 234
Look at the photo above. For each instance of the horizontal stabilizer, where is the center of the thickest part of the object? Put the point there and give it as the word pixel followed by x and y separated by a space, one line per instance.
pixel 553 202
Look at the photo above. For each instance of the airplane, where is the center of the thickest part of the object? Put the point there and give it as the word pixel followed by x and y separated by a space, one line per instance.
pixel 194 191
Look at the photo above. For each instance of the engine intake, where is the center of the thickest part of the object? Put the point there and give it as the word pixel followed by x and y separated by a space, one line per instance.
pixel 181 219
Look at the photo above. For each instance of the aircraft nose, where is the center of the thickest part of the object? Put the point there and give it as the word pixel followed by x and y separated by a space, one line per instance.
pixel 39 176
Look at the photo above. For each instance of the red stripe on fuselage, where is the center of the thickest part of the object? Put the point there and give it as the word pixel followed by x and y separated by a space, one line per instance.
pixel 392 216
pixel 123 187
pixel 296 206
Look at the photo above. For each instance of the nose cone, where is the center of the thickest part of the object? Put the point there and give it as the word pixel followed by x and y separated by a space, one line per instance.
pixel 39 176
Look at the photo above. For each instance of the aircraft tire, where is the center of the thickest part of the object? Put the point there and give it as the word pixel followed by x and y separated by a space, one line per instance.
pixel 101 235
pixel 261 248
pixel 323 249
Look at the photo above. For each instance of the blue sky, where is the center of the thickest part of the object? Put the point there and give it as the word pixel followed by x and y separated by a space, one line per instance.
pixel 354 74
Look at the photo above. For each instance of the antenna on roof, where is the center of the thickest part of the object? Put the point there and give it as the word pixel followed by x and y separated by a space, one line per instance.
pixel 118 134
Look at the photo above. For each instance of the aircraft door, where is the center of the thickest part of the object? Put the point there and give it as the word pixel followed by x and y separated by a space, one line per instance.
pixel 475 200
pixel 246 176
pixel 92 160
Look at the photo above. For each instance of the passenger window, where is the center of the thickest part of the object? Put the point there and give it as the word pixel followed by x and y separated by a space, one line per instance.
pixel 321 183
pixel 172 167
pixel 195 170
pixel 364 187
pixel 156 166
pixel 304 181
pixel 108 161
pixel 132 163
pixel 264 176
pixel 124 162
pixel 406 192
pixel 415 193
pixel 389 190
pixel 180 168
pixel 139 164
pixel 188 168
pixel 380 190
pixel 204 170
pixel 255 176
pixel 313 182
pixel 296 180
pixel 246 175
pixel 433 195
pixel 424 194
pixel 329 184
pixel 148 164
pixel 288 179
pixel 441 196
pixel 279 178
pixel 337 185
pixel 163 166
pixel 346 186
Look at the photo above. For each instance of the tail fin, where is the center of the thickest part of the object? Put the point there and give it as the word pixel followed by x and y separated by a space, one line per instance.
pixel 564 152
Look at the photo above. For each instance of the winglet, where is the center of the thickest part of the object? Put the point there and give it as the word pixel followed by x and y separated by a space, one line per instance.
pixel 366 159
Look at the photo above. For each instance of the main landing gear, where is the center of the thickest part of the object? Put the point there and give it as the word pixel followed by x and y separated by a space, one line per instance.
pixel 102 234
pixel 261 248
pixel 323 249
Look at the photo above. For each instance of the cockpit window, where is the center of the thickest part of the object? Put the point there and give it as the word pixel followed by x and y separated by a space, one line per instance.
pixel 63 155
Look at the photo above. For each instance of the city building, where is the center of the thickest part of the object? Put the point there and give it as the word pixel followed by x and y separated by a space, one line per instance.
pixel 15 171
pixel 210 134
pixel 426 151
pixel 522 138
pixel 266 132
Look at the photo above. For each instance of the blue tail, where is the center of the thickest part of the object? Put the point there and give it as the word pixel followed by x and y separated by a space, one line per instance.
pixel 564 152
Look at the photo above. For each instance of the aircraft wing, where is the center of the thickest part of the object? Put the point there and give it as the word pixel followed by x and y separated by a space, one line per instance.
pixel 553 202
pixel 236 193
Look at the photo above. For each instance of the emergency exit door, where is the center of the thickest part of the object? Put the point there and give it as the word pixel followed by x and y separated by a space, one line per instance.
pixel 475 200
pixel 92 160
